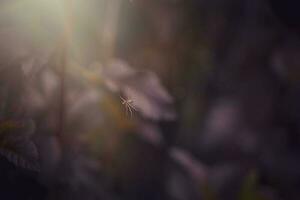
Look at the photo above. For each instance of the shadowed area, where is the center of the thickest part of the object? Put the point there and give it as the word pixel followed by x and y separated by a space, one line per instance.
pixel 149 99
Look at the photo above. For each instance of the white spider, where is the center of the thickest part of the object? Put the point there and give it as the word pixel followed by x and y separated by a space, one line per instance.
pixel 128 105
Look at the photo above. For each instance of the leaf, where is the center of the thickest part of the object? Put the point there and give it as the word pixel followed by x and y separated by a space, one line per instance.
pixel 143 88
pixel 194 167
pixel 16 144
pixel 150 132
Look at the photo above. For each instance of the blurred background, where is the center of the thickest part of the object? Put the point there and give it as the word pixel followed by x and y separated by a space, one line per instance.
pixel 149 99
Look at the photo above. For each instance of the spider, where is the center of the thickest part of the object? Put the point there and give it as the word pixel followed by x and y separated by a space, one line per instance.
pixel 128 105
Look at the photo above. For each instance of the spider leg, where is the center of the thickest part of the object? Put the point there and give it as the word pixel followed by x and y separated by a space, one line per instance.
pixel 123 100
pixel 132 106
pixel 126 107
pixel 129 108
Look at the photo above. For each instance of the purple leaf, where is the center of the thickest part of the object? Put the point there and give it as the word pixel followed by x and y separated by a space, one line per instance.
pixel 142 87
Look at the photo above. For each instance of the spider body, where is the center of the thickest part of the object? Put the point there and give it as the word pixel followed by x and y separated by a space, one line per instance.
pixel 128 103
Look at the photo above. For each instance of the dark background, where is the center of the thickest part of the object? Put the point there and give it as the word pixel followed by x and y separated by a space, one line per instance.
pixel 217 117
